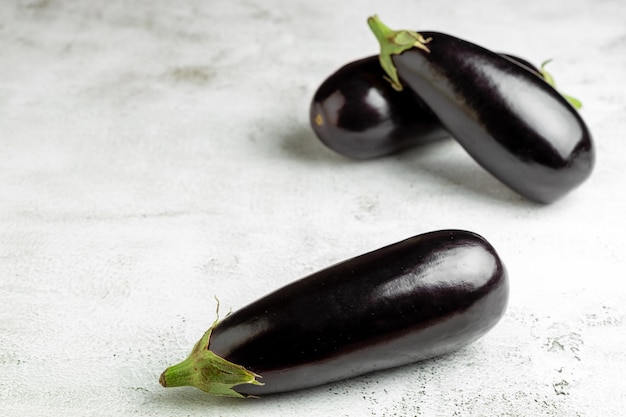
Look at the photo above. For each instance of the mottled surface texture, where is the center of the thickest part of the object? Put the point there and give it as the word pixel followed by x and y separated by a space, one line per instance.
pixel 155 154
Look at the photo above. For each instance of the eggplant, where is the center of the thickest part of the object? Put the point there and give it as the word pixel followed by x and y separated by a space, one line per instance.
pixel 514 124
pixel 357 113
pixel 416 299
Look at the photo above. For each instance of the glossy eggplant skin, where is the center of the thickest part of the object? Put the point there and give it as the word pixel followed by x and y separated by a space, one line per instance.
pixel 357 113
pixel 523 63
pixel 511 122
pixel 416 299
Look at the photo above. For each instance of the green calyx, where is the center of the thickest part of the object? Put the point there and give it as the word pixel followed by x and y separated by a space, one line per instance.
pixel 208 372
pixel 550 80
pixel 394 42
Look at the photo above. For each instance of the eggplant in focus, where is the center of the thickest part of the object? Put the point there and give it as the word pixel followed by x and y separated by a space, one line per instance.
pixel 514 124
pixel 413 300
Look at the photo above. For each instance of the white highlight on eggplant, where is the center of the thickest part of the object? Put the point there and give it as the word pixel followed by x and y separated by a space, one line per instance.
pixel 549 118
pixel 377 101
pixel 443 271
pixel 333 106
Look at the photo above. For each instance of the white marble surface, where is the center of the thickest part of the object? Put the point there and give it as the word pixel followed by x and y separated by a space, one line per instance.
pixel 155 154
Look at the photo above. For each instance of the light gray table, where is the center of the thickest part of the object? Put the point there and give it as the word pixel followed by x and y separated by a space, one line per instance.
pixel 155 154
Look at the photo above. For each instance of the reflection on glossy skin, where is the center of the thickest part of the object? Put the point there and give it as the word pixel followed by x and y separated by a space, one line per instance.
pixel 510 121
pixel 552 120
pixel 439 274
pixel 357 113
pixel 416 299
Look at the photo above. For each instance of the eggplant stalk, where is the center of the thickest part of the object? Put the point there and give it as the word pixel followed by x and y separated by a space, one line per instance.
pixel 393 42
pixel 208 372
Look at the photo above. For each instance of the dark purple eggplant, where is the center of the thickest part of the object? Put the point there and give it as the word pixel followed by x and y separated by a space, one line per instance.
pixel 514 124
pixel 357 113
pixel 413 300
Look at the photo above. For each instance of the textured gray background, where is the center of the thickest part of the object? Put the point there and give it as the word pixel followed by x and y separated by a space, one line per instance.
pixel 155 154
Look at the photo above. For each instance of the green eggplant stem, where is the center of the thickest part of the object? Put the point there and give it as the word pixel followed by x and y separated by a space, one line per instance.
pixel 394 42
pixel 208 372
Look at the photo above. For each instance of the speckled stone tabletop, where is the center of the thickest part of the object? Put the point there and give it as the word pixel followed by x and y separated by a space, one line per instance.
pixel 156 154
